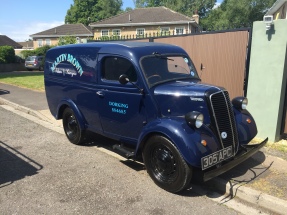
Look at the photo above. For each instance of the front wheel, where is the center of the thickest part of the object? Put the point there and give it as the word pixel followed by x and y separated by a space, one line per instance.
pixel 165 165
pixel 72 128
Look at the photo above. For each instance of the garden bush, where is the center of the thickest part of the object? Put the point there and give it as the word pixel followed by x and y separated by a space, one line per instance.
pixel 7 54
pixel 41 51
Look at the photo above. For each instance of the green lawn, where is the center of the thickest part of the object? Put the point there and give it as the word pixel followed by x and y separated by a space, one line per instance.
pixel 31 80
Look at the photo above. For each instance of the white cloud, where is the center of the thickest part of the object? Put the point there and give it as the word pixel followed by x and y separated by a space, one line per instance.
pixel 217 4
pixel 21 31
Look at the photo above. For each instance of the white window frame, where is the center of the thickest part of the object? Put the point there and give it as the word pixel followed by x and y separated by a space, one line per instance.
pixel 179 28
pixel 139 30
pixel 165 29
pixel 48 42
pixel 106 30
pixel 118 32
pixel 40 42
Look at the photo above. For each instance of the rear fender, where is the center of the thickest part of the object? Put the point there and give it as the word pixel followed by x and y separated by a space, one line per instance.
pixel 69 103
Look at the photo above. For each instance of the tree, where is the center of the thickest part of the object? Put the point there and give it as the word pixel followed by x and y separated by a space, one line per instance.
pixel 128 9
pixel 65 40
pixel 186 7
pixel 235 14
pixel 87 11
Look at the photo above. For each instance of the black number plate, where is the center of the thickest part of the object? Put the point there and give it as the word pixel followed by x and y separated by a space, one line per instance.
pixel 216 157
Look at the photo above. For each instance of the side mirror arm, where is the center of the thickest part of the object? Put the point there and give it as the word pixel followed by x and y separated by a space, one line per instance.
pixel 124 79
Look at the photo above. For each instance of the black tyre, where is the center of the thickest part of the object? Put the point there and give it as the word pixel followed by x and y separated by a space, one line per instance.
pixel 165 165
pixel 72 128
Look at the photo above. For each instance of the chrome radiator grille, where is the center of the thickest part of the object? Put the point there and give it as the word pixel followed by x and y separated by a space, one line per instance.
pixel 223 119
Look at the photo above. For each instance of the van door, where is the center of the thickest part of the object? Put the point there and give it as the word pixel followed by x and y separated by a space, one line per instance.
pixel 121 107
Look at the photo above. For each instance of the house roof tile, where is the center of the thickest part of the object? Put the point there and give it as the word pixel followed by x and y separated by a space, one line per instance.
pixel 145 16
pixel 27 44
pixel 6 41
pixel 275 7
pixel 64 30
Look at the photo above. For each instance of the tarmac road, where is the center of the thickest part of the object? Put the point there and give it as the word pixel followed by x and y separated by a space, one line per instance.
pixel 259 182
pixel 42 173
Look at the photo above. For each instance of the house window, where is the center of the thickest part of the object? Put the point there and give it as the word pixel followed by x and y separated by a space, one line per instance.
pixel 164 31
pixel 116 32
pixel 48 42
pixel 140 32
pixel 179 30
pixel 105 33
pixel 40 42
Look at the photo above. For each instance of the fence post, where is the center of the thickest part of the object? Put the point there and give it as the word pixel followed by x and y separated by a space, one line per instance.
pixel 247 64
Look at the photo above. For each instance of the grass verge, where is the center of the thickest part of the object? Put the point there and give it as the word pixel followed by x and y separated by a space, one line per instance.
pixel 279 146
pixel 30 80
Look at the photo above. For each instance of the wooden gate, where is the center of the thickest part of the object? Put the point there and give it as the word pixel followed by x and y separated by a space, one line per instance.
pixel 221 58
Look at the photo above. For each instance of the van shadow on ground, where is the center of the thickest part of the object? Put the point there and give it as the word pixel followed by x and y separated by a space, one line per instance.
pixel 96 140
pixel 14 165
pixel 3 92
pixel 246 172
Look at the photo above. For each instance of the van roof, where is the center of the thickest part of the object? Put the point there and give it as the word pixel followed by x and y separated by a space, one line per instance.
pixel 126 48
pixel 121 43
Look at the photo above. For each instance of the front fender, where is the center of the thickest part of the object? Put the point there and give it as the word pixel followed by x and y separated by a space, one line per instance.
pixel 246 126
pixel 69 103
pixel 186 139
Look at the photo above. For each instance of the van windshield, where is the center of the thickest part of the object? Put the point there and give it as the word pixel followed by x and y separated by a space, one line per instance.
pixel 163 68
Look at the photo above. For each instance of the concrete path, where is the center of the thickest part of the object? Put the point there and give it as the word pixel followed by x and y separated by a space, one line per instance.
pixel 261 180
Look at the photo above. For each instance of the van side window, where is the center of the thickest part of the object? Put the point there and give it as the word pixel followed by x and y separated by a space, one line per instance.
pixel 113 67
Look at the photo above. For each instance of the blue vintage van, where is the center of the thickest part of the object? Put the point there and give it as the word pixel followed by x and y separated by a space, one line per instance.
pixel 149 97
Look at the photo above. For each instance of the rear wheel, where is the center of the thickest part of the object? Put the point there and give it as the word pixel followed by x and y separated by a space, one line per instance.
pixel 72 128
pixel 165 165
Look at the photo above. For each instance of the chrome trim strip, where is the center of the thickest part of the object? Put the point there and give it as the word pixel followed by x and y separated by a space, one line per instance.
pixel 179 93
pixel 214 117
pixel 235 140
pixel 231 124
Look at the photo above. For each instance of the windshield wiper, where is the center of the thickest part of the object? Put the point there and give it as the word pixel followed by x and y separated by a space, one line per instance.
pixel 188 77
pixel 158 55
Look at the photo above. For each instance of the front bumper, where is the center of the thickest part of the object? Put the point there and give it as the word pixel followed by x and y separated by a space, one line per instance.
pixel 248 151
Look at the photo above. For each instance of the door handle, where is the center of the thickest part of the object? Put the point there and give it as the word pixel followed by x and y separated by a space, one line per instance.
pixel 100 93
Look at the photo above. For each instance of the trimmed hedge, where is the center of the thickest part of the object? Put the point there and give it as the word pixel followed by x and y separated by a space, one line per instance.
pixel 7 54
pixel 41 51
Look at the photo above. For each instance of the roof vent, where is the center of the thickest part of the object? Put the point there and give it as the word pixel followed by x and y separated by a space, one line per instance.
pixel 55 30
pixel 130 18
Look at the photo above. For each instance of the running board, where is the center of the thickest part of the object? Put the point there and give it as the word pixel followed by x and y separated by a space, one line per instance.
pixel 123 151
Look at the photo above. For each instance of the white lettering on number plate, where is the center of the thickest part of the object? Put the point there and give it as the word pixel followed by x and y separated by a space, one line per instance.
pixel 216 157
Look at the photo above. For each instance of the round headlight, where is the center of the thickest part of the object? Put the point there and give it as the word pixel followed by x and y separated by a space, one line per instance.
pixel 194 119
pixel 244 103
pixel 240 103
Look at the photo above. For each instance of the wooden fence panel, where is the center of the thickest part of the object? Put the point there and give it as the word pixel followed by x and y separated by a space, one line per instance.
pixel 223 56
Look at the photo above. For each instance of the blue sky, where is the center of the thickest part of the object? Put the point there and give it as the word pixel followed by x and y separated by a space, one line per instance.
pixel 21 18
